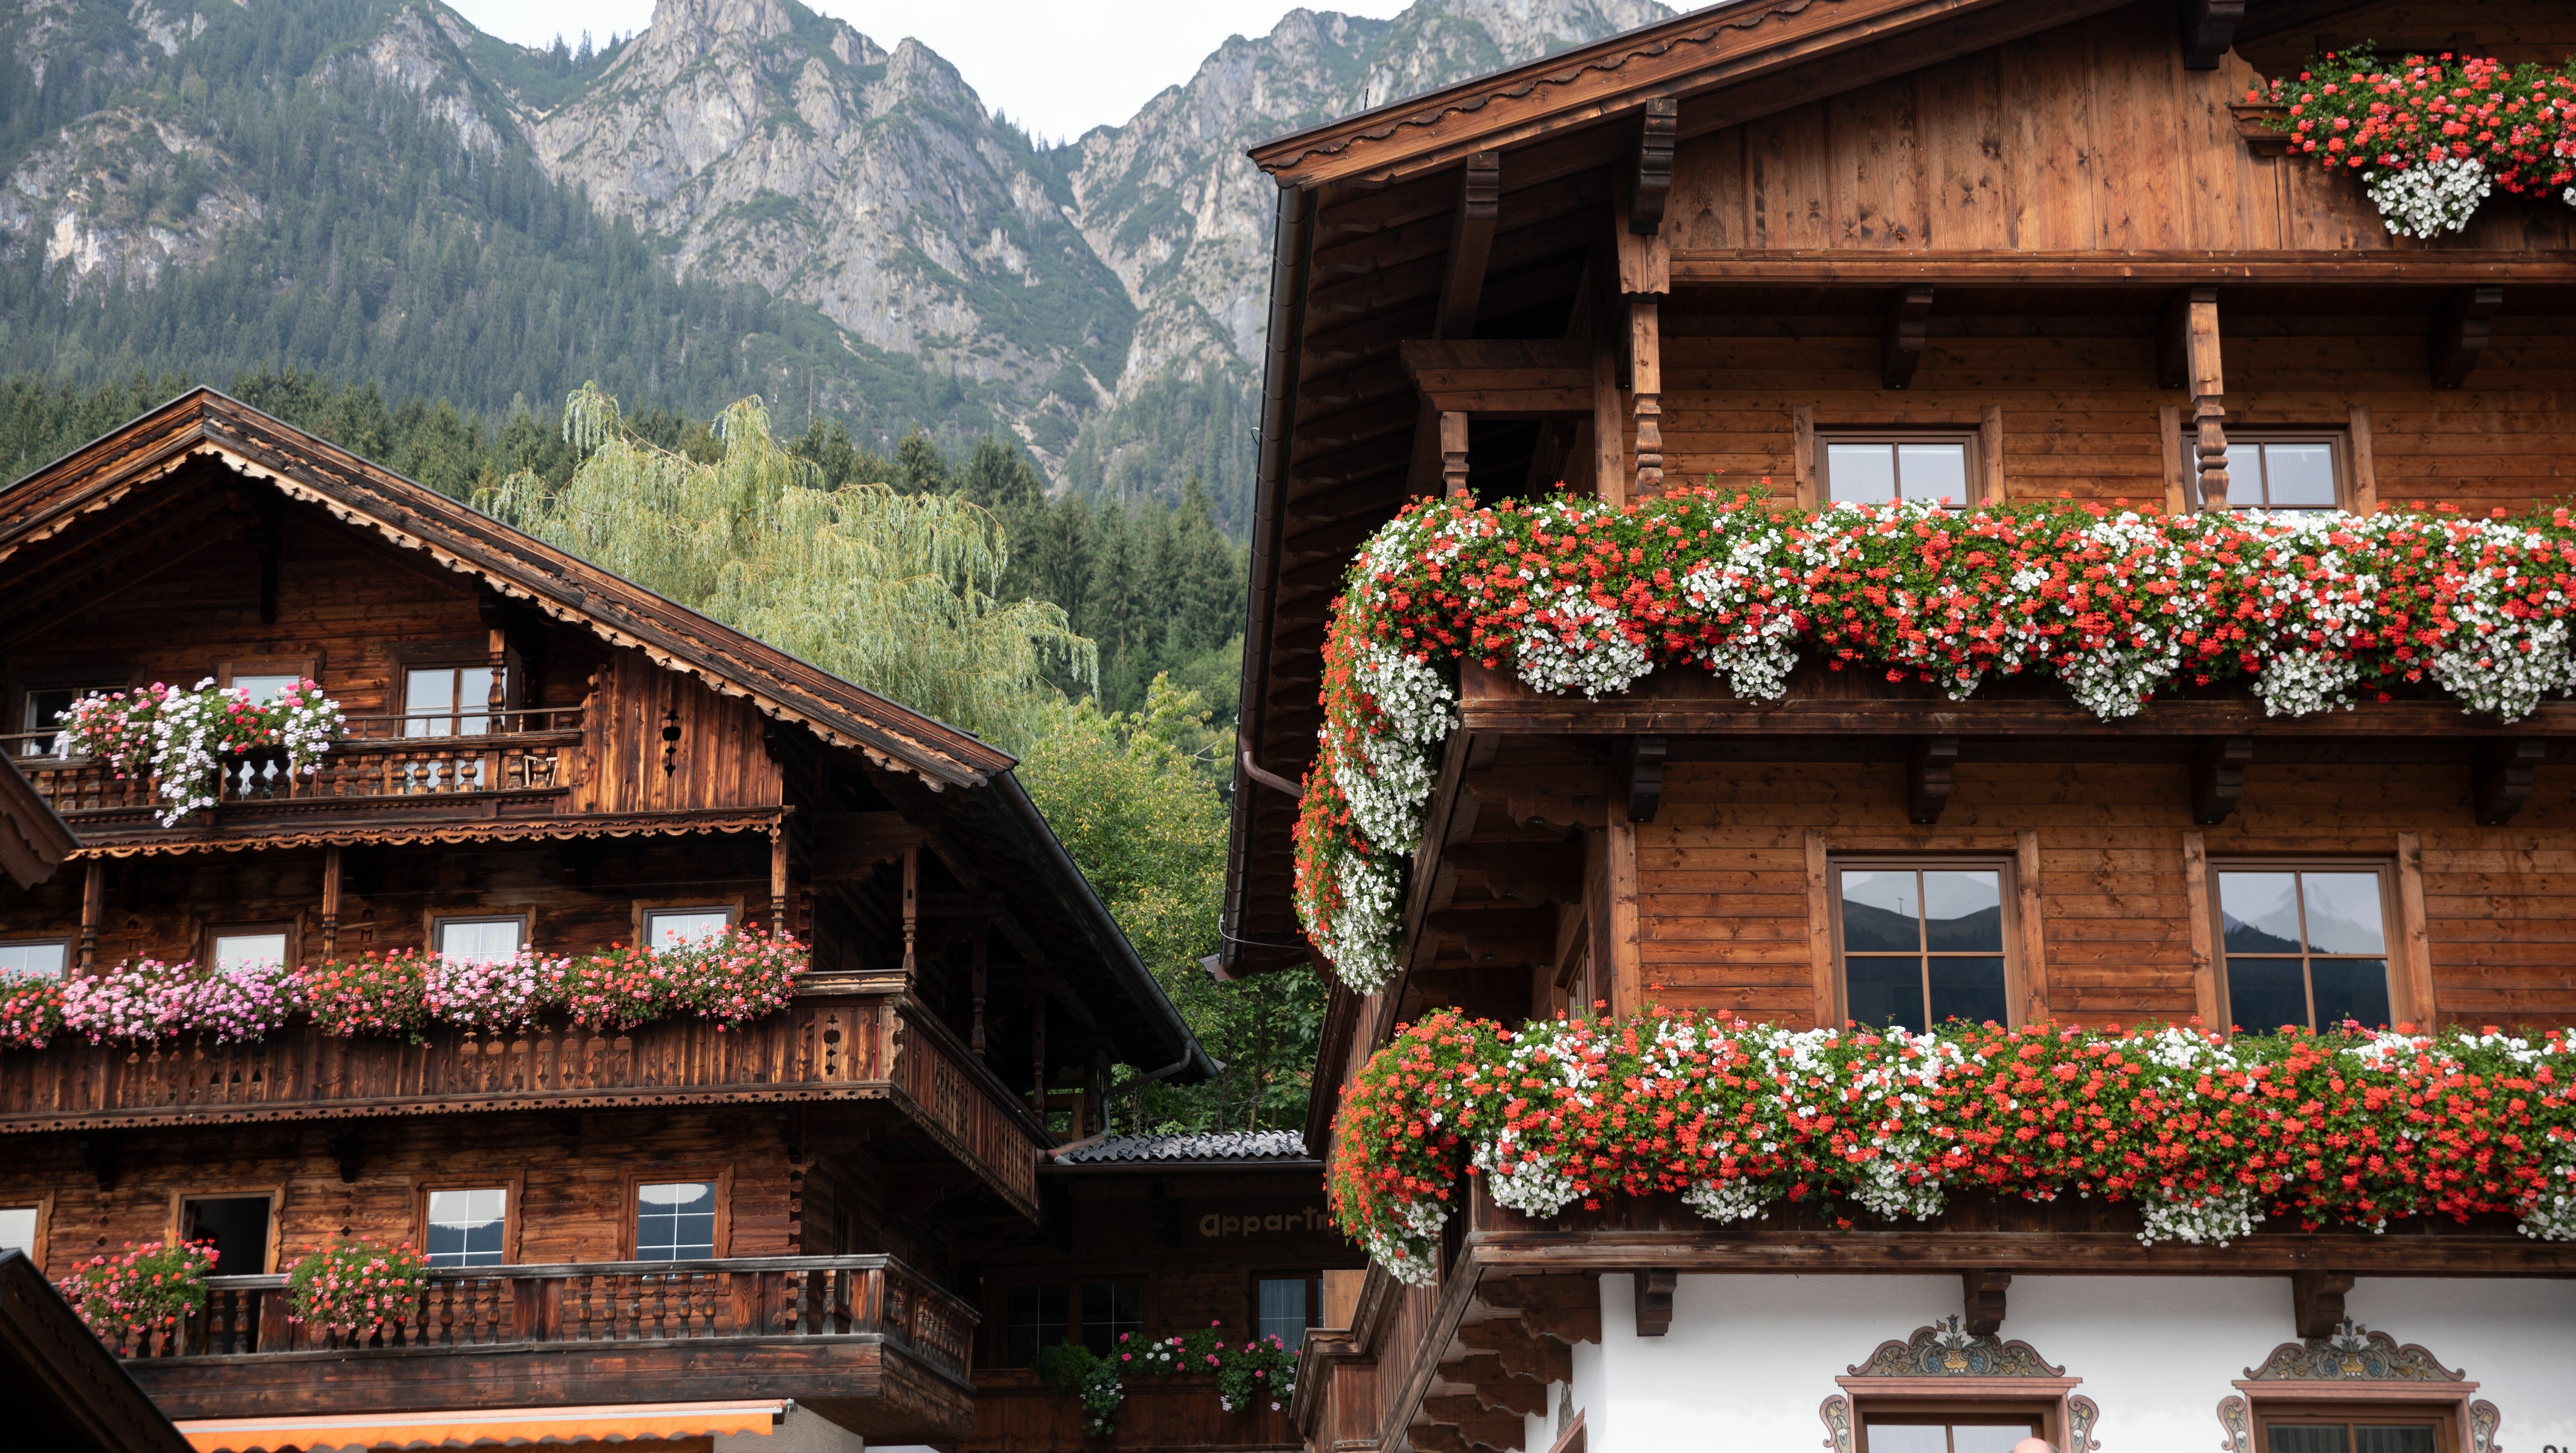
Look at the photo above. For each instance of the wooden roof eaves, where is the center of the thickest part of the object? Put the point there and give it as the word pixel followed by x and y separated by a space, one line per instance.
pixel 1668 57
pixel 34 839
pixel 512 563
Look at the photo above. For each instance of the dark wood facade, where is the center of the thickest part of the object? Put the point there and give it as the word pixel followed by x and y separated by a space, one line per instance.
pixel 968 998
pixel 1703 249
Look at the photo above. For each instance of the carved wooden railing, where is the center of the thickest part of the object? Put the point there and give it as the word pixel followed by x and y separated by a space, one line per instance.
pixel 585 1303
pixel 378 757
pixel 823 1046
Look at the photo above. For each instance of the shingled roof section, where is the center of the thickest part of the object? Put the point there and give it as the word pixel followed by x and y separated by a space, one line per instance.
pixel 1238 1146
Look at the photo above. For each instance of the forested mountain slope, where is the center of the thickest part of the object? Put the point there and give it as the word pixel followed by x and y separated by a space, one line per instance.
pixel 745 197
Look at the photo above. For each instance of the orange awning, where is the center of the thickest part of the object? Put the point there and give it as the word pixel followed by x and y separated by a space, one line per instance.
pixel 483 1427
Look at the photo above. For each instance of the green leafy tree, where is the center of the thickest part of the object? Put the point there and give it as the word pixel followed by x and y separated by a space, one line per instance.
pixel 1128 794
pixel 892 591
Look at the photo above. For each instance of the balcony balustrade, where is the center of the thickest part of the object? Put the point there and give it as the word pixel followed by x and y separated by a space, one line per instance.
pixel 526 751
pixel 840 1331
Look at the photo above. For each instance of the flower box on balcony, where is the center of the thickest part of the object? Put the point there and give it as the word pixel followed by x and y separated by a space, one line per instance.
pixel 2260 125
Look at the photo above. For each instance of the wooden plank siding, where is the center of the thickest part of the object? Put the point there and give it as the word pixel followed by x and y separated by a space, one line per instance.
pixel 2088 137
pixel 1728 922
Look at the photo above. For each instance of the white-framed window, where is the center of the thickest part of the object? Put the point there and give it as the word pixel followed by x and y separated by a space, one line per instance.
pixel 243 947
pixel 675 1221
pixel 447 701
pixel 1922 942
pixel 680 927
pixel 466 1227
pixel 1855 467
pixel 2306 944
pixel 2285 471
pixel 18 1227
pixel 482 939
pixel 36 958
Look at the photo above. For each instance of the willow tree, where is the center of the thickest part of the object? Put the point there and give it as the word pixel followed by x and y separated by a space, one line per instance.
pixel 892 591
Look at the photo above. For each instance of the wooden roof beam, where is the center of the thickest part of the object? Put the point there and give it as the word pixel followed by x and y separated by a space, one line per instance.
pixel 1902 348
pixel 1653 181
pixel 1471 243
pixel 2461 329
pixel 2209 31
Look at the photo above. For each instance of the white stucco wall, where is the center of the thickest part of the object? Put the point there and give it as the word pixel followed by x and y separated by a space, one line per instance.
pixel 1749 1358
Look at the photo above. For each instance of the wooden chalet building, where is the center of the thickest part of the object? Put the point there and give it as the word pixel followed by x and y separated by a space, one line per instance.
pixel 668 1233
pixel 2029 250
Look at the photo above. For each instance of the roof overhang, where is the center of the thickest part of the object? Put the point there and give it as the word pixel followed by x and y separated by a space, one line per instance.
pixel 34 839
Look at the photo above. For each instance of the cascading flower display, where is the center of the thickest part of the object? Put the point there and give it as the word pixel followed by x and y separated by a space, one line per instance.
pixel 141 1293
pixel 2208 1136
pixel 734 978
pixel 356 1287
pixel 2311 611
pixel 1249 1375
pixel 2432 136
pixel 180 737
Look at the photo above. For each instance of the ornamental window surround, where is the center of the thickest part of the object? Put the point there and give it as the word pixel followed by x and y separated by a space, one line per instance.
pixel 2305 942
pixel 2357 1391
pixel 1947 1390
pixel 1920 941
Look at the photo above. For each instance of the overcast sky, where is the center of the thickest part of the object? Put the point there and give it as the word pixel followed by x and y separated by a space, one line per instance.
pixel 1059 67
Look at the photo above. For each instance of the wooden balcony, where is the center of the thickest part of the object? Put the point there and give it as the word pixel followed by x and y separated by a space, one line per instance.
pixel 865 1340
pixel 523 767
pixel 1016 1413
pixel 826 1047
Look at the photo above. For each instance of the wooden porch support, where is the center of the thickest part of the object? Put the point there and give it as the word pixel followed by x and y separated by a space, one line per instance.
pixel 1039 988
pixel 911 908
pixel 1901 349
pixel 2503 778
pixel 1646 371
pixel 1655 1300
pixel 1453 453
pixel 2189 358
pixel 1929 778
pixel 1471 244
pixel 1609 431
pixel 778 924
pixel 2218 778
pixel 2460 331
pixel 1645 277
pixel 1641 762
pixel 1660 130
pixel 1983 1291
pixel 331 902
pixel 982 983
pixel 2209 32
pixel 2316 1301
pixel 93 908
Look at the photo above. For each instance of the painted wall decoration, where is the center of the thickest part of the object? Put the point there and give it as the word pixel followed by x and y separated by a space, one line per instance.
pixel 1944 1359
pixel 2355 1355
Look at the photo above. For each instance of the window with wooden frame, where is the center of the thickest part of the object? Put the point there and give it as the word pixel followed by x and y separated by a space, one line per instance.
pixel 1872 466
pixel 1921 941
pixel 2305 943
pixel 678 1213
pixel 240 1223
pixel 678 924
pixel 35 958
pixel 478 938
pixel 2355 1428
pixel 449 699
pixel 1285 1304
pixel 1039 1315
pixel 2287 470
pixel 265 676
pixel 23 1224
pixel 467 1220
pixel 40 708
pixel 1947 1425
pixel 240 945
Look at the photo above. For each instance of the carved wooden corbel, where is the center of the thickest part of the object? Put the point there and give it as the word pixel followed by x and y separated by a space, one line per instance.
pixel 2218 777
pixel 1984 1291
pixel 2460 331
pixel 2209 32
pixel 1928 778
pixel 349 1152
pixel 1453 453
pixel 1655 1300
pixel 1654 181
pixel 1903 347
pixel 1641 761
pixel 2316 1301
pixel 2502 778
pixel 102 1154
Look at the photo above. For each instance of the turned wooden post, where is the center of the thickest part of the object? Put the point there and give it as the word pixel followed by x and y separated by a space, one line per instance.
pixel 93 906
pixel 911 907
pixel 330 903
pixel 778 925
pixel 2208 395
pixel 1646 373
pixel 1453 453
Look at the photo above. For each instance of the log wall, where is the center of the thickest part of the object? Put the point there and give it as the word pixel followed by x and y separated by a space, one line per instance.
pixel 1727 920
